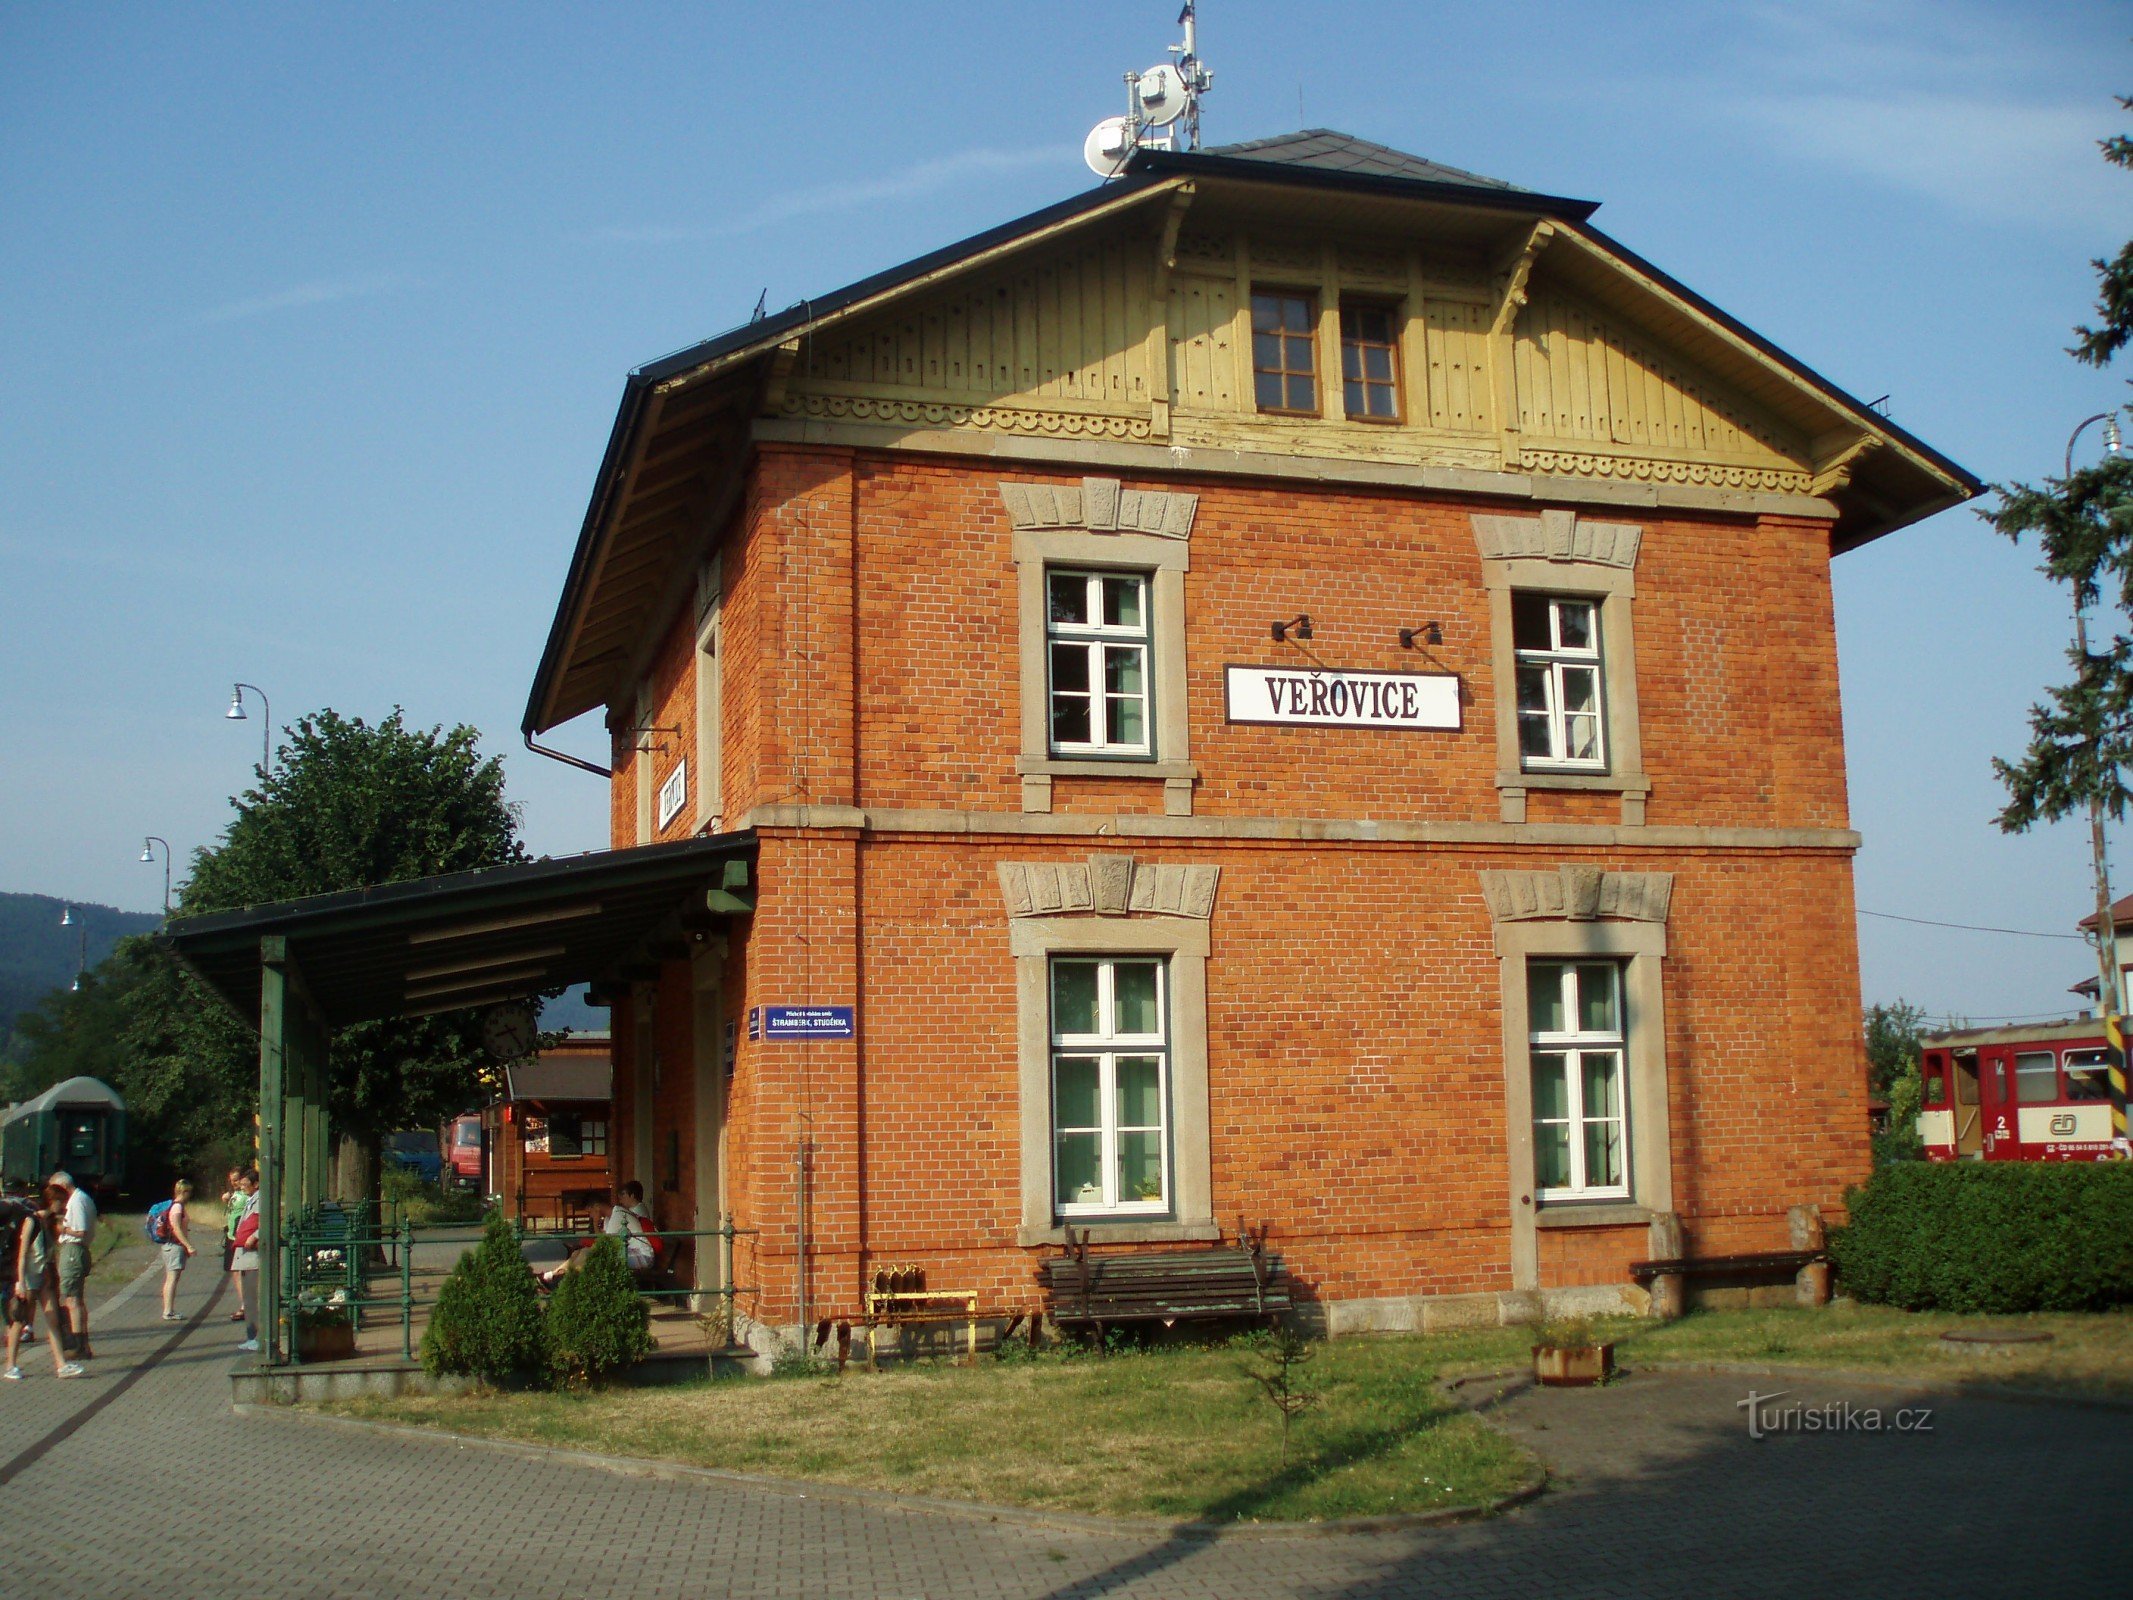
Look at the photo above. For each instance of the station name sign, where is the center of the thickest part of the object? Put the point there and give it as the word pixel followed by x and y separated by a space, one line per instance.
pixel 801 1022
pixel 1324 698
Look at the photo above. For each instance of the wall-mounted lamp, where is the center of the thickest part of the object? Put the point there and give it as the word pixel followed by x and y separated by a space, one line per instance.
pixel 637 735
pixel 1297 627
pixel 1428 633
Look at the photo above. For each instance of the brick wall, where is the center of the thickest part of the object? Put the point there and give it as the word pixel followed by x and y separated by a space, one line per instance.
pixel 1355 1051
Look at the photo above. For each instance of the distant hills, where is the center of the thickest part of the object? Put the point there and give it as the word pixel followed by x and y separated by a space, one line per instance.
pixel 37 955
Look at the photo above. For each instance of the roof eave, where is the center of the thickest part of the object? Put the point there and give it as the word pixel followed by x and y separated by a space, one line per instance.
pixel 1244 169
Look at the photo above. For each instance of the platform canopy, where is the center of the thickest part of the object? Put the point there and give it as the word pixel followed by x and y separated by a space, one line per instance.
pixel 299 969
pixel 468 938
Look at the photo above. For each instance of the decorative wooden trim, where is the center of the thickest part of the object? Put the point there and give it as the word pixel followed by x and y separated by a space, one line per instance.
pixel 950 414
pixel 1643 469
pixel 1108 885
pixel 1577 894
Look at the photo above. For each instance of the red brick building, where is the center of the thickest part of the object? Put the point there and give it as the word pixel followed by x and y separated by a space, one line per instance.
pixel 1296 686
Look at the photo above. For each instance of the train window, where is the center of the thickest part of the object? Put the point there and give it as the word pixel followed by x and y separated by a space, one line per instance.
pixel 1936 1085
pixel 2088 1075
pixel 2036 1077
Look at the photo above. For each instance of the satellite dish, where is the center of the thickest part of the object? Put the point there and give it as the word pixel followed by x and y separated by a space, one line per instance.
pixel 1163 96
pixel 1108 147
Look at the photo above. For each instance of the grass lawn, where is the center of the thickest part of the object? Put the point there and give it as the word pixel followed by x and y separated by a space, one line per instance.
pixel 1184 1432
pixel 2089 1352
pixel 1181 1432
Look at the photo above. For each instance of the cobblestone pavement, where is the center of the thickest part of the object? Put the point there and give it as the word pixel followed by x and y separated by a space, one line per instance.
pixel 120 1485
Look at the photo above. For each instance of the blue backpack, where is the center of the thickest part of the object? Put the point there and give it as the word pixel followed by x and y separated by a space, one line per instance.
pixel 157 1223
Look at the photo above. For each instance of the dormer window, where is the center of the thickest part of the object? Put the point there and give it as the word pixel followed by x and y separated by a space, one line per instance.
pixel 1284 352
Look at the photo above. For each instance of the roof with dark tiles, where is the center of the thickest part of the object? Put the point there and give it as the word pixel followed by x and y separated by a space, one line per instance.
pixel 1330 151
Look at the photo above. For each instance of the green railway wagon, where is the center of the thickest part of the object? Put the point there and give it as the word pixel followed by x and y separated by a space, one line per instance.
pixel 78 1127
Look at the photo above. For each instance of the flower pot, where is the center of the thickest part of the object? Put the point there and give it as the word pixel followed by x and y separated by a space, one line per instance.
pixel 336 1342
pixel 1573 1366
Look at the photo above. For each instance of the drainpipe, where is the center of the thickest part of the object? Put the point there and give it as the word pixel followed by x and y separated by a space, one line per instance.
pixel 567 759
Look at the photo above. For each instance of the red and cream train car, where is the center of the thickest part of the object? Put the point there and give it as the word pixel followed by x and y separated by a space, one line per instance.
pixel 2040 1092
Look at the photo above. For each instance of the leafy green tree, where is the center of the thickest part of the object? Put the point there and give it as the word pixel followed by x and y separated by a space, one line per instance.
pixel 2081 738
pixel 186 1067
pixel 350 804
pixel 1892 1035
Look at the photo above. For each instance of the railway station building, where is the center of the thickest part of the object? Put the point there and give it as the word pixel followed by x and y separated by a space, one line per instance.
pixel 1296 688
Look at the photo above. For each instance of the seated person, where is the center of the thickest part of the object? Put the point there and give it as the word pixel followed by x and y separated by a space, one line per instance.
pixel 630 1221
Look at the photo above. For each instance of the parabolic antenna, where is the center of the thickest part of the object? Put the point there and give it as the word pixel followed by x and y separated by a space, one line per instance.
pixel 1108 147
pixel 1163 97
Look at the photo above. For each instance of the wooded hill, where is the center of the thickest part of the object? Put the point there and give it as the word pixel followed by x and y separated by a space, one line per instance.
pixel 37 955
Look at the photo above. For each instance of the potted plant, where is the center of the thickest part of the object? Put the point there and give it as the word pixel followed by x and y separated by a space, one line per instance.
pixel 325 1327
pixel 1570 1355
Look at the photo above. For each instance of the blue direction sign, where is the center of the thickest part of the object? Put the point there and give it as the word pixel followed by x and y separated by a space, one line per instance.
pixel 802 1022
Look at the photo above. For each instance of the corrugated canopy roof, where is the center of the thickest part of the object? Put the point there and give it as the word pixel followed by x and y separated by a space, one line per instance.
pixel 465 938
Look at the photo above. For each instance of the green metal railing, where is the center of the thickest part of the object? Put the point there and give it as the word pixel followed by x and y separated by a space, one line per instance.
pixel 336 1268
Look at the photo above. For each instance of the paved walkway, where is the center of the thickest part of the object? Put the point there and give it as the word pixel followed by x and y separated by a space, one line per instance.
pixel 118 1485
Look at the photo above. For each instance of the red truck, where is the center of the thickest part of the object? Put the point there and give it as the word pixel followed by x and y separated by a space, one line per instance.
pixel 463 1152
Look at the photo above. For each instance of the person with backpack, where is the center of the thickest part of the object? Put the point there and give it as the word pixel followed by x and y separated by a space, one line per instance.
pixel 165 1225
pixel 27 1231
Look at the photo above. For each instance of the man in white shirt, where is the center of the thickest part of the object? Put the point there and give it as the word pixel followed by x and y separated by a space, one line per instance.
pixel 627 1223
pixel 77 1230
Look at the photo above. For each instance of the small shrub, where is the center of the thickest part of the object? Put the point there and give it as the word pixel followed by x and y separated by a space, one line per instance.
pixel 1992 1237
pixel 1283 1354
pixel 596 1319
pixel 487 1320
pixel 1567 1333
pixel 791 1360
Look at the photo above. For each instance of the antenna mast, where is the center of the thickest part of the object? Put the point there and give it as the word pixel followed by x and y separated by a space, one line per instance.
pixel 1162 106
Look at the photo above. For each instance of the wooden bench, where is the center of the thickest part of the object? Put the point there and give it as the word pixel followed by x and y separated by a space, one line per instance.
pixel 1166 1286
pixel 899 1299
pixel 1747 1265
pixel 1666 1271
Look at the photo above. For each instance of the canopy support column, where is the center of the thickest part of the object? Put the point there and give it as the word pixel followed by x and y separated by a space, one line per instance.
pixel 293 1148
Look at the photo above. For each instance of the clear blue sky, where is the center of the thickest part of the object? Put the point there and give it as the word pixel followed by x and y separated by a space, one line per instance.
pixel 313 321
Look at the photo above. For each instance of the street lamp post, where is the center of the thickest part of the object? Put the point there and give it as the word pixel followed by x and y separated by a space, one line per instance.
pixel 266 721
pixel 2109 995
pixel 67 919
pixel 148 854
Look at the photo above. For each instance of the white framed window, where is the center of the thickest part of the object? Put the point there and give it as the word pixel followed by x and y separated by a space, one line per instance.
pixel 1097 639
pixel 1575 1028
pixel 1560 723
pixel 1110 1086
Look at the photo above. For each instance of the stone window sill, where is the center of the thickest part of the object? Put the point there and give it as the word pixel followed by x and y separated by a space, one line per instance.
pixel 1126 1233
pixel 1610 1214
pixel 1047 766
pixel 1597 782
